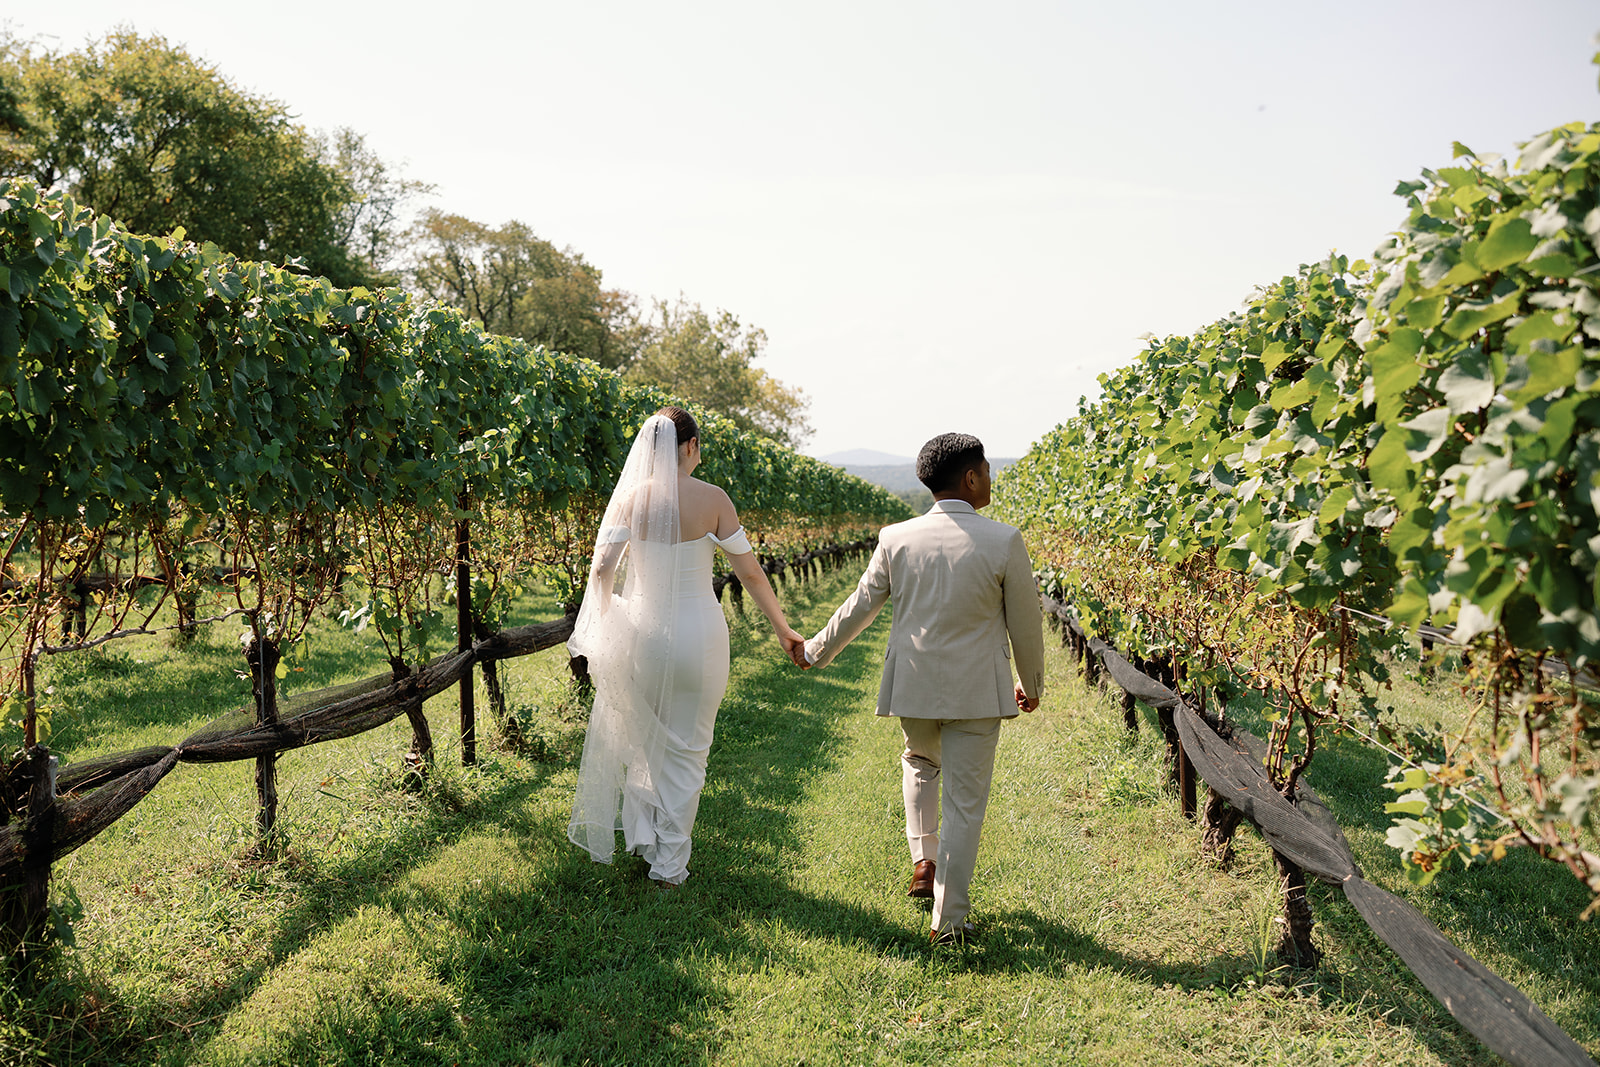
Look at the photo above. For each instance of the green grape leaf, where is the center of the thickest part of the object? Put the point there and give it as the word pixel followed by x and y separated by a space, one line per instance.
pixel 1412 803
pixel 1468 383
pixel 1388 464
pixel 1473 316
pixel 1426 433
pixel 1291 394
pixel 1413 530
pixel 1425 312
pixel 1273 355
pixel 1545 325
pixel 1509 241
pixel 1395 370
pixel 1411 608
pixel 1531 375
pixel 1333 506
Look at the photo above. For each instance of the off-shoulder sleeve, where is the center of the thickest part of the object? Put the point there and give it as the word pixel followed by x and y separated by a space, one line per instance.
pixel 611 535
pixel 735 544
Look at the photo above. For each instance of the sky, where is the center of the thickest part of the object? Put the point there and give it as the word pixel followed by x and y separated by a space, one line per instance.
pixel 944 216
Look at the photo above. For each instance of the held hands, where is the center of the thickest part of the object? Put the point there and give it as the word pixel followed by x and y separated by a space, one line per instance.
pixel 1024 701
pixel 795 646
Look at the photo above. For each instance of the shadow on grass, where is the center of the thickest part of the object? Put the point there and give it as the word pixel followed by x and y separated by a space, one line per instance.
pixel 589 963
pixel 593 963
pixel 602 966
pixel 182 687
pixel 325 894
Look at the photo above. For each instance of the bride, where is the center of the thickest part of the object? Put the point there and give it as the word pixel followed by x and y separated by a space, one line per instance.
pixel 657 647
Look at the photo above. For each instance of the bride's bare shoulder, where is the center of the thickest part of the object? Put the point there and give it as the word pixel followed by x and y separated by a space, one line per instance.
pixel 705 490
pixel 705 507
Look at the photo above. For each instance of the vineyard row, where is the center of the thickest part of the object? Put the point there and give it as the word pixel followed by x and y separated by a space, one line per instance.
pixel 1415 437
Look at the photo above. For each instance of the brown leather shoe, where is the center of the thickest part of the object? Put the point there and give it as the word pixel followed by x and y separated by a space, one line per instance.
pixel 921 880
pixel 956 935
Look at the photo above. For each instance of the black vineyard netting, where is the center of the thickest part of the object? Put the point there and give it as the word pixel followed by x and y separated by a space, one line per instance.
pixel 95 793
pixel 1492 1009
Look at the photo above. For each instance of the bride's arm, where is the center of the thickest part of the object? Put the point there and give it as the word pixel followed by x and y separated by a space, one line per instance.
pixel 754 580
pixel 606 564
pixel 752 577
pixel 613 543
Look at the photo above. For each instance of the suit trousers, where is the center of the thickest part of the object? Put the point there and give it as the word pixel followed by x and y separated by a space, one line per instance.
pixel 959 755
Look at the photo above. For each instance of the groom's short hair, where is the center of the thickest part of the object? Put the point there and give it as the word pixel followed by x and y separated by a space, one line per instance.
pixel 943 460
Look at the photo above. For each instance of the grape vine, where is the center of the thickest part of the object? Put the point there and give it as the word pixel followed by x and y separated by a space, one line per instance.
pixel 1368 447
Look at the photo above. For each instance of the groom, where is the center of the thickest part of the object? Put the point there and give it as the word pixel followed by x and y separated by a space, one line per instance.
pixel 964 599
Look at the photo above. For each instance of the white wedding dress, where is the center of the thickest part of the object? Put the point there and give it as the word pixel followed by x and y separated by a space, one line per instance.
pixel 659 802
pixel 657 650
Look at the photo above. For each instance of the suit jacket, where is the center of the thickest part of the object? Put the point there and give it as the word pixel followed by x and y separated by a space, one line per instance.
pixel 962 585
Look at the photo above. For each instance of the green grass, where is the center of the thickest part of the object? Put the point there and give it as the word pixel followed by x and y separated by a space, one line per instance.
pixel 455 924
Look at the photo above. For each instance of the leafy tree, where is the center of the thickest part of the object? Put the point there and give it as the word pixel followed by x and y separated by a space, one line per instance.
pixel 13 123
pixel 140 130
pixel 709 359
pixel 369 225
pixel 513 282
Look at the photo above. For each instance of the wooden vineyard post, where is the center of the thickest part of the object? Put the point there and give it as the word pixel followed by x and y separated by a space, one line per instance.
pixel 1186 784
pixel 469 729
pixel 184 601
pixel 30 700
pixel 1220 821
pixel 41 843
pixel 25 901
pixel 491 676
pixel 262 654
pixel 420 758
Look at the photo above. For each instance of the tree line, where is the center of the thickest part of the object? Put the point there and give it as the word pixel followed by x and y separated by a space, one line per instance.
pixel 139 129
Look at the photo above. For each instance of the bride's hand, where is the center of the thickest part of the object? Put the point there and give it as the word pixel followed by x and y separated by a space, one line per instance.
pixel 794 645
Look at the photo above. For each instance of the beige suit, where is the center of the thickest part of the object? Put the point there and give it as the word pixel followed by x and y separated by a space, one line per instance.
pixel 965 602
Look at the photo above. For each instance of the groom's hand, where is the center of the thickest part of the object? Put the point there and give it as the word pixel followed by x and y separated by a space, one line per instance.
pixel 796 647
pixel 1024 701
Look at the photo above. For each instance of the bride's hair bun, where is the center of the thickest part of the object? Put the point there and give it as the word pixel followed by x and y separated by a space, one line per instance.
pixel 682 421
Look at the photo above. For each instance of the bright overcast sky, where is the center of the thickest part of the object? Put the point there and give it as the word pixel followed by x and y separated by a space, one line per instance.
pixel 945 216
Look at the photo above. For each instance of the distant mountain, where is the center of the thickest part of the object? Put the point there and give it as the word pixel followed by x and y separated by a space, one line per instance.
pixel 866 457
pixel 895 477
pixel 900 477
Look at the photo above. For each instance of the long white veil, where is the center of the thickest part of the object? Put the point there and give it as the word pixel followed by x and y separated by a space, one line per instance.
pixel 624 629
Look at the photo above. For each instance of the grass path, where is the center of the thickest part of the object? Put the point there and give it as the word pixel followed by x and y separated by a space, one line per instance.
pixel 459 926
